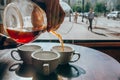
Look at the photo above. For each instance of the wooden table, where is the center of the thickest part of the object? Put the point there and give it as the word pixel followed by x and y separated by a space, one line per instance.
pixel 92 65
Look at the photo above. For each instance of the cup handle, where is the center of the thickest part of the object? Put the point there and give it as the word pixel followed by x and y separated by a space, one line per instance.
pixel 46 69
pixel 12 67
pixel 14 56
pixel 78 56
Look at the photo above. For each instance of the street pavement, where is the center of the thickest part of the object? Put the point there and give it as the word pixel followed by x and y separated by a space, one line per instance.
pixel 103 29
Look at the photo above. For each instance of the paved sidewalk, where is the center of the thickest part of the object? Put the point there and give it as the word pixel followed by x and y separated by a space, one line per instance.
pixel 80 31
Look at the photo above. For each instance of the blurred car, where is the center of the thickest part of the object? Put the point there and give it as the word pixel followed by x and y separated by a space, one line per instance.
pixel 95 14
pixel 86 14
pixel 114 15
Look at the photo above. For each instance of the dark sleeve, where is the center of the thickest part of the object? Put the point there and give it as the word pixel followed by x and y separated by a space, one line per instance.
pixel 10 43
pixel 2 39
pixel 41 4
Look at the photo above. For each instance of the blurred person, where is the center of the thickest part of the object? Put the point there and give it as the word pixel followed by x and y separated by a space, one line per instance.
pixel 90 19
pixel 55 16
pixel 76 17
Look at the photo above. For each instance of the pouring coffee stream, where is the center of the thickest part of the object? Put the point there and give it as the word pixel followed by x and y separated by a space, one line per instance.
pixel 36 21
pixel 60 39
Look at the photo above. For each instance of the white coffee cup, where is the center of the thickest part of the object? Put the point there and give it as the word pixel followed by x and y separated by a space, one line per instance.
pixel 67 54
pixel 45 62
pixel 25 52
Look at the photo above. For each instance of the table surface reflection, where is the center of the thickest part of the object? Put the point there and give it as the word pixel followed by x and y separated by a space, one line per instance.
pixel 92 65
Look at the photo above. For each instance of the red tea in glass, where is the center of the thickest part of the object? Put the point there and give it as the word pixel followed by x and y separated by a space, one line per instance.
pixel 24 24
pixel 23 36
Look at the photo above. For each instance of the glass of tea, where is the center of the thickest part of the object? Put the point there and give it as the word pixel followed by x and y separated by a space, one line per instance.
pixel 24 21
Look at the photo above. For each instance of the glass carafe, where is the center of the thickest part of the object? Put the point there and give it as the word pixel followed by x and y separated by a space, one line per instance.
pixel 24 21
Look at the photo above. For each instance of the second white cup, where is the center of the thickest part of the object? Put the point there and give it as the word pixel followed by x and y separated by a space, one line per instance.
pixel 67 54
pixel 24 53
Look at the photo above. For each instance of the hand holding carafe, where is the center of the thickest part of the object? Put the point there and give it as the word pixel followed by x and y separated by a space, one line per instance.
pixel 24 21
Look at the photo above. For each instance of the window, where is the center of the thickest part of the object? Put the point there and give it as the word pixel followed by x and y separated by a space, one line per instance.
pixel 103 29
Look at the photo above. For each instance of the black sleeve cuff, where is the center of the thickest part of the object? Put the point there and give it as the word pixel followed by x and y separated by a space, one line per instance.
pixel 40 4
pixel 2 39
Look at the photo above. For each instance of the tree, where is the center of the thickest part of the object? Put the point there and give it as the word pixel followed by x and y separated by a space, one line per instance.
pixel 100 7
pixel 118 7
pixel 76 8
pixel 87 6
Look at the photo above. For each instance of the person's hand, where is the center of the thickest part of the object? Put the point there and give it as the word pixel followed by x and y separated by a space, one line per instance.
pixel 6 42
pixel 10 43
pixel 55 14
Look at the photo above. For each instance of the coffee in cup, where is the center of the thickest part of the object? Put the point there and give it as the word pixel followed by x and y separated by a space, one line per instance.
pixel 45 62
pixel 24 52
pixel 67 54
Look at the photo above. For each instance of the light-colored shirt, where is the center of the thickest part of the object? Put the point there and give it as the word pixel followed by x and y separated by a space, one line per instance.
pixel 90 15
